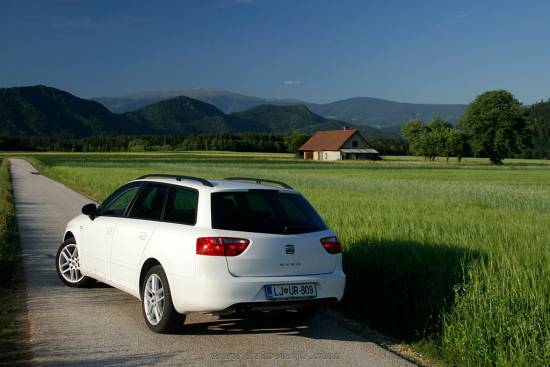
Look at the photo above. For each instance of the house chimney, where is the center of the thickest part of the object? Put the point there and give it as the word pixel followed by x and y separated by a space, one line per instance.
pixel 345 127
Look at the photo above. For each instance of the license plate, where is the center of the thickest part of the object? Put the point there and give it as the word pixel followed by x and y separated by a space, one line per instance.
pixel 290 291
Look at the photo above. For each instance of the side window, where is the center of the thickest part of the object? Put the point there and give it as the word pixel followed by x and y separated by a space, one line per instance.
pixel 116 204
pixel 181 206
pixel 149 203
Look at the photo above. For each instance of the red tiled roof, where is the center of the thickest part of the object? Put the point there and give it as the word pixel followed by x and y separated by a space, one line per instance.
pixel 328 140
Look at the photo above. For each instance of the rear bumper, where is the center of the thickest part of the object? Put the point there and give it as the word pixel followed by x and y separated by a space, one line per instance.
pixel 222 294
pixel 277 305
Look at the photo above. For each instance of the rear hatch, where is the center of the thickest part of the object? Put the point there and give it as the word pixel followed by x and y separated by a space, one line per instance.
pixel 283 229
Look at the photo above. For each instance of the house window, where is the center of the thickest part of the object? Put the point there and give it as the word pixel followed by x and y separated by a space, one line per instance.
pixel 354 144
pixel 326 156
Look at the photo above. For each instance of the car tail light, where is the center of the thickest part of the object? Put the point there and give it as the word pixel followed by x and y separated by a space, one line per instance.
pixel 221 246
pixel 332 245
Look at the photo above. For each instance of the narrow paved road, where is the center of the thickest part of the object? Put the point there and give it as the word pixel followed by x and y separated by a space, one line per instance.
pixel 102 326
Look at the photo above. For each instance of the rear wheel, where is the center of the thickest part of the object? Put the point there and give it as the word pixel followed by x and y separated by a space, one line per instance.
pixel 158 310
pixel 67 263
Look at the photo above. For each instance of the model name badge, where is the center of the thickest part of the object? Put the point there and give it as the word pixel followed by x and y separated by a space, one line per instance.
pixel 290 264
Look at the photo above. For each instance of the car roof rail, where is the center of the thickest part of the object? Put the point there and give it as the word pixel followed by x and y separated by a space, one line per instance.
pixel 260 181
pixel 178 178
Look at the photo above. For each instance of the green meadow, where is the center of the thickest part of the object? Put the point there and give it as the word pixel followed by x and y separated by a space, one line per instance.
pixel 453 259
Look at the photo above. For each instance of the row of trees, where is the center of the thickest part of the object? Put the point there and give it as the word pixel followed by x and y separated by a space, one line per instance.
pixel 227 142
pixel 436 139
pixel 495 126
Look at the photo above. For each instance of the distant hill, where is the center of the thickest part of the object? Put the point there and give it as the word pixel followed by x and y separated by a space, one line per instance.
pixel 45 111
pixel 183 115
pixel 382 113
pixel 281 119
pixel 225 101
pixel 361 111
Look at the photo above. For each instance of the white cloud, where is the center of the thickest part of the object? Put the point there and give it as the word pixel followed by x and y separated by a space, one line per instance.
pixel 292 82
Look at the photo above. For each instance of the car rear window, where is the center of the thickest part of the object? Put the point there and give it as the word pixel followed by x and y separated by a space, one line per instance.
pixel 264 211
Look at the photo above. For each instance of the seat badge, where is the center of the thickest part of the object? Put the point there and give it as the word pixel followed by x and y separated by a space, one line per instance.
pixel 289 249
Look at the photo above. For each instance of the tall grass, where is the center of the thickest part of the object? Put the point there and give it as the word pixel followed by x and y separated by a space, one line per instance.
pixel 11 347
pixel 8 226
pixel 452 258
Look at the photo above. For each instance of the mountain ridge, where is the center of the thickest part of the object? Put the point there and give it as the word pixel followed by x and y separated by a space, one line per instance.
pixel 369 111
pixel 46 111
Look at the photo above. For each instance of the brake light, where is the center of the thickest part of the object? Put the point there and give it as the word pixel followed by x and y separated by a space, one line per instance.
pixel 332 245
pixel 221 246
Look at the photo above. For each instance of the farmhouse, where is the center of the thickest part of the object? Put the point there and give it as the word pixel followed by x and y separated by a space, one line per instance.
pixel 337 145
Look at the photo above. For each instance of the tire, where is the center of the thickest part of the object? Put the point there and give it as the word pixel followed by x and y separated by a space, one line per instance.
pixel 170 320
pixel 67 265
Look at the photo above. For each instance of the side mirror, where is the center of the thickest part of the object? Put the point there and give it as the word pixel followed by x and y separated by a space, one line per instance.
pixel 90 210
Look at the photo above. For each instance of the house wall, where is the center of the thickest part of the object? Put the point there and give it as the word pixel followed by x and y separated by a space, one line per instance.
pixel 330 156
pixel 361 142
pixel 326 155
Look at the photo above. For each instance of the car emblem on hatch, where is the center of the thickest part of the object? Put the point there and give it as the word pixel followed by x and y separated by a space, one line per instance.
pixel 289 249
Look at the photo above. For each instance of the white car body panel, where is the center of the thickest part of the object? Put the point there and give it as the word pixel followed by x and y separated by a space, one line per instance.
pixel 115 250
pixel 129 241
pixel 96 242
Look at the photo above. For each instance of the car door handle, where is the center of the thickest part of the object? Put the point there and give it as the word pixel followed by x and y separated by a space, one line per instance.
pixel 143 235
pixel 109 230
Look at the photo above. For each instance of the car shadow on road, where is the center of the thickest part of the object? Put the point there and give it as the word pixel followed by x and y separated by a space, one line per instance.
pixel 403 288
pixel 274 322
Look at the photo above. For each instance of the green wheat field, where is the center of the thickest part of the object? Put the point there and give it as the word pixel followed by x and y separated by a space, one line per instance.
pixel 453 259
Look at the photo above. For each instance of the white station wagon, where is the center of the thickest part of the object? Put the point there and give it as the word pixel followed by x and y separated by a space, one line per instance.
pixel 184 244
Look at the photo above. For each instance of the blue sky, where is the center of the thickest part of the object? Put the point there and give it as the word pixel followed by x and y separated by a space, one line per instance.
pixel 319 51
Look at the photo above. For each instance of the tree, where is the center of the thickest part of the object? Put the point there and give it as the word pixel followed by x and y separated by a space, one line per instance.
pixel 294 141
pixel 496 125
pixel 539 126
pixel 413 132
pixel 438 138
pixel 137 145
pixel 456 144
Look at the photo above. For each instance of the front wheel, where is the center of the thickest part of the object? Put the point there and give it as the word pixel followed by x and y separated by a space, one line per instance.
pixel 158 310
pixel 67 263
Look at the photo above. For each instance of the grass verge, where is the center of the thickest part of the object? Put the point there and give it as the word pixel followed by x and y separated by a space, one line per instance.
pixel 13 344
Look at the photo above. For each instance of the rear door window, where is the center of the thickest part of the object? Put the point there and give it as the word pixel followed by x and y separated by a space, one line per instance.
pixel 149 202
pixel 264 211
pixel 181 206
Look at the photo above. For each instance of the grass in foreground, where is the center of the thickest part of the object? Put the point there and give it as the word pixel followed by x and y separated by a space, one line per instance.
pixel 11 335
pixel 454 259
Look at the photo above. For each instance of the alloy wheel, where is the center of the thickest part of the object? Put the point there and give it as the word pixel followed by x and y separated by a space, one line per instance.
pixel 153 299
pixel 69 264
